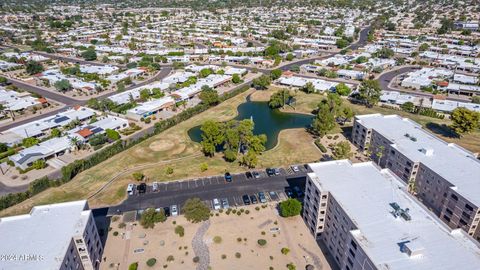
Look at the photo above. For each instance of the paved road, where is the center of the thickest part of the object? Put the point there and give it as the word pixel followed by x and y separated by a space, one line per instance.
pixel 208 188
pixel 4 190
pixel 43 92
pixel 73 59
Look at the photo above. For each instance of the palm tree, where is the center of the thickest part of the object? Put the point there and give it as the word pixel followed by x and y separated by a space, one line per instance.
pixel 74 143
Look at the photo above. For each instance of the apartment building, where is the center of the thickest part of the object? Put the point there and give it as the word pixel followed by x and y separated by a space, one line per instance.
pixel 368 220
pixel 444 176
pixel 57 236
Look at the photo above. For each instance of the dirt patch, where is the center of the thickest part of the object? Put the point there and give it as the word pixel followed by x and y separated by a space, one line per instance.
pixel 161 145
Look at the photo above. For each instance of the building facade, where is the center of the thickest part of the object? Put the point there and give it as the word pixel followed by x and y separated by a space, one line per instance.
pixel 444 176
pixel 367 220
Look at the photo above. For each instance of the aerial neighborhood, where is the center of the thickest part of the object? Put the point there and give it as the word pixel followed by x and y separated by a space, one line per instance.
pixel 204 135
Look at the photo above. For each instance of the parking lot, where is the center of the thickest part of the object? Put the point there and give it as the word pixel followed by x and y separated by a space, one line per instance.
pixel 275 188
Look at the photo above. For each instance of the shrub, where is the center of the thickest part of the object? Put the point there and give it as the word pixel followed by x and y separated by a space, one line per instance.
pixel 203 167
pixel 169 170
pixel 238 255
pixel 217 239
pixel 195 210
pixel 115 233
pixel 257 208
pixel 291 266
pixel 247 212
pixel 196 259
pixel 180 230
pixel 122 225
pixel 290 208
pixel 170 258
pixel 133 266
pixel 262 242
pixel 285 251
pixel 239 239
pixel 224 256
pixel 320 146
pixel 262 233
pixel 151 262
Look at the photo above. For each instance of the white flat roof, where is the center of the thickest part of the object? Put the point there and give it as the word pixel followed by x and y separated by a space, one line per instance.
pixel 365 192
pixel 455 164
pixel 46 231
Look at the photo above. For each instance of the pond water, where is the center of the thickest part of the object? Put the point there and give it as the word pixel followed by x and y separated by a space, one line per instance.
pixel 267 121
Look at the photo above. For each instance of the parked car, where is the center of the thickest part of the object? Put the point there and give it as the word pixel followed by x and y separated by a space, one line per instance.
pixel 288 192
pixel 273 195
pixel 167 211
pixel 246 199
pixel 253 198
pixel 270 171
pixel 276 171
pixel 174 210
pixel 155 186
pixel 298 191
pixel 261 197
pixel 225 204
pixel 256 175
pixel 216 204
pixel 142 188
pixel 295 168
pixel 248 175
pixel 228 177
pixel 130 189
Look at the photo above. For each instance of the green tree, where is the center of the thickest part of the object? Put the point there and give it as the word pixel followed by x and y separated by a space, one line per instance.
pixel 308 88
pixel 113 135
pixel 236 79
pixel 39 164
pixel 423 47
pixel 275 74
pixel 209 96
pixel 369 92
pixel 261 83
pixel 3 147
pixel 212 136
pixel 341 43
pixel 342 89
pixel 408 107
pixel 290 207
pixel 342 150
pixel 324 121
pixel 62 85
pixel 279 98
pixel 144 94
pixel 89 55
pixel 384 53
pixel 289 57
pixel 149 217
pixel 55 133
pixel 195 210
pixel 250 159
pixel 3 80
pixel 29 142
pixel 464 120
pixel 205 72
pixel 33 67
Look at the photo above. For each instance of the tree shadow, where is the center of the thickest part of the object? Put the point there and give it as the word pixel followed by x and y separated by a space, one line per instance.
pixel 442 130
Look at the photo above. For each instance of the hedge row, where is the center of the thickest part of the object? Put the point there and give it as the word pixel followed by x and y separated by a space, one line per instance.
pixel 71 170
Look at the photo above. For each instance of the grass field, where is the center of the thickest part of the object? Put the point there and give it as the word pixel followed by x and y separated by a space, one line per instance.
pixel 173 148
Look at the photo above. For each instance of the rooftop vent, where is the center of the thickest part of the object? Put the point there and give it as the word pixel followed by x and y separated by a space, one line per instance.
pixel 411 248
pixel 410 137
pixel 427 151
pixel 399 212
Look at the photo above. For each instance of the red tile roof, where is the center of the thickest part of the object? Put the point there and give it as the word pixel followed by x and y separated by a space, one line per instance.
pixel 85 132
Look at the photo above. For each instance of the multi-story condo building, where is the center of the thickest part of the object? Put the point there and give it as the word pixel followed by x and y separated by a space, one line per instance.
pixel 368 220
pixel 57 236
pixel 444 176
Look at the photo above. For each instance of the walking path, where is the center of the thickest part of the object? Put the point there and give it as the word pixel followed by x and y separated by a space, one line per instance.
pixel 200 248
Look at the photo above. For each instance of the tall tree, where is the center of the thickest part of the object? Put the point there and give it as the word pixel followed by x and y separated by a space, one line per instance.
pixel 370 91
pixel 464 120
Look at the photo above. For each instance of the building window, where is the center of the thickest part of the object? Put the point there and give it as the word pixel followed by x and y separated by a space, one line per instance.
pixel 353 244
pixel 468 207
pixel 454 197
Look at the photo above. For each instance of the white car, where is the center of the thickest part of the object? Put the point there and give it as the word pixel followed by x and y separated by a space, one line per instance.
pixel 216 204
pixel 130 189
pixel 174 210
pixel 155 186
pixel 295 168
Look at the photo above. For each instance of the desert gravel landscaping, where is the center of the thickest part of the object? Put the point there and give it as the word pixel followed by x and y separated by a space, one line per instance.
pixel 223 242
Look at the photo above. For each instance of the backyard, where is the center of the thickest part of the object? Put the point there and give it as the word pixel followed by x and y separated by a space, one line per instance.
pixel 216 244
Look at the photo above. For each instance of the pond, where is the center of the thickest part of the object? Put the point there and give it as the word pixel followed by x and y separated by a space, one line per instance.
pixel 267 121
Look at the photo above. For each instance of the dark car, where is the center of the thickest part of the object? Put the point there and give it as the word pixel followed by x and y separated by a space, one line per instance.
pixel 256 175
pixel 253 198
pixel 228 177
pixel 142 188
pixel 261 197
pixel 246 199
pixel 270 171
pixel 167 211
pixel 248 175
pixel 288 192
pixel 298 191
